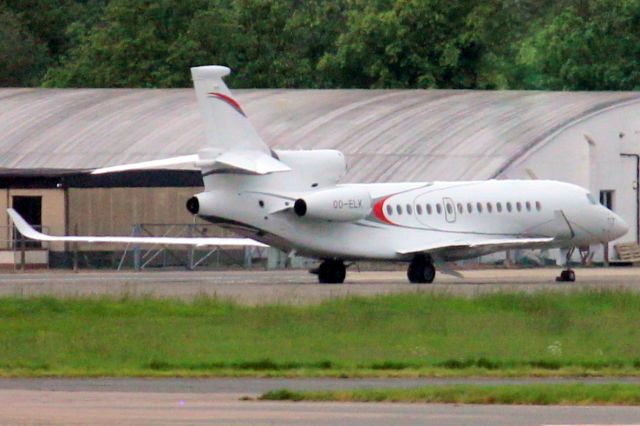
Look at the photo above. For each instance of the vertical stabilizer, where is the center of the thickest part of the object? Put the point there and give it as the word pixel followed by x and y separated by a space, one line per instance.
pixel 227 126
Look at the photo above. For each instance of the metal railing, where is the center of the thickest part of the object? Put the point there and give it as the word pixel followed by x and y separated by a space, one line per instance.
pixel 188 257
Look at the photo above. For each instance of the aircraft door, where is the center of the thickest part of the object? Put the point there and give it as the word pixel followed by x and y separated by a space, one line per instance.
pixel 449 209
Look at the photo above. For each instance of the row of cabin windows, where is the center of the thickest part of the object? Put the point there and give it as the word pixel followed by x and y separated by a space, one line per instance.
pixel 479 208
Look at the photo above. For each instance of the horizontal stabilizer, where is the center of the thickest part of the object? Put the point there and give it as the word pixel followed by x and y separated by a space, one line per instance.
pixel 494 243
pixel 28 231
pixel 251 161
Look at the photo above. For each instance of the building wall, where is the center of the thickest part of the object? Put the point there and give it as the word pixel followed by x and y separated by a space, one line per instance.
pixel 113 211
pixel 588 153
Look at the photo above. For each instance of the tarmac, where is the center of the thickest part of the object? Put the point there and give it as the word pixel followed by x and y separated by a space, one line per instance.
pixel 232 402
pixel 299 287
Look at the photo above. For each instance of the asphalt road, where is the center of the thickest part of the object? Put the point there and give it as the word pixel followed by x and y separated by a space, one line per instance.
pixel 254 287
pixel 220 402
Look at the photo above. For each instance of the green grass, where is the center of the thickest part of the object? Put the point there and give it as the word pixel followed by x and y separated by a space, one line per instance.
pixel 584 333
pixel 559 394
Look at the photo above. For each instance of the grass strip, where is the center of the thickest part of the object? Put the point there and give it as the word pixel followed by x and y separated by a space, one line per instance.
pixel 586 333
pixel 536 394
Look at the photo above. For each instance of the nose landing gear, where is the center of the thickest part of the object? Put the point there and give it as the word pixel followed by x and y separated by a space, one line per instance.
pixel 568 275
pixel 421 270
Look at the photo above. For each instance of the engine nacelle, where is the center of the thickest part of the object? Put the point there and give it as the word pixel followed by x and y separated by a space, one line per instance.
pixel 336 204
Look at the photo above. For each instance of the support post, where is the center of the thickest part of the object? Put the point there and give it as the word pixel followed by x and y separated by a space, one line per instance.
pixel 136 249
pixel 23 253
pixel 75 250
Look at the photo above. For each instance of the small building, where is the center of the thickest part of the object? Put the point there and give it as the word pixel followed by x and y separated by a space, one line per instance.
pixel 51 138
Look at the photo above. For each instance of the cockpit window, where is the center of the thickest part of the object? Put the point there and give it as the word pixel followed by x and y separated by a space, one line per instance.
pixel 591 198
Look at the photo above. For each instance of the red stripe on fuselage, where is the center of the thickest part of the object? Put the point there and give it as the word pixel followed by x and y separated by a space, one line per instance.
pixel 378 211
pixel 228 100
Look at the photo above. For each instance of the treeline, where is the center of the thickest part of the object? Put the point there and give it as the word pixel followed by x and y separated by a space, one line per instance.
pixel 461 44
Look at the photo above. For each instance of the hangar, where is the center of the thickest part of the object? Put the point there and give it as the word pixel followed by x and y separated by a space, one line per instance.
pixel 50 138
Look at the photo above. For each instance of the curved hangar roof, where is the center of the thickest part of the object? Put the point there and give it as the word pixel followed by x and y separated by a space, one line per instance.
pixel 387 135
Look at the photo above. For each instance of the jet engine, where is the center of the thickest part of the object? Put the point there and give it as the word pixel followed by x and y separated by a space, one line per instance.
pixel 336 204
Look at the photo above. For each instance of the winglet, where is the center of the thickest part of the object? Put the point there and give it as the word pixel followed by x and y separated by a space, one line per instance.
pixel 24 228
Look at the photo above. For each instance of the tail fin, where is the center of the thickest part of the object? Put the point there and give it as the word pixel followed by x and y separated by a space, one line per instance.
pixel 227 125
pixel 234 145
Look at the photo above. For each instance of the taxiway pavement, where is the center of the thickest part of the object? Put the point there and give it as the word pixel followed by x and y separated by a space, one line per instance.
pixel 297 286
pixel 224 402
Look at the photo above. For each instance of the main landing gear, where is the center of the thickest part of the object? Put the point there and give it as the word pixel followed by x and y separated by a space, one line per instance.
pixel 331 271
pixel 421 270
pixel 568 275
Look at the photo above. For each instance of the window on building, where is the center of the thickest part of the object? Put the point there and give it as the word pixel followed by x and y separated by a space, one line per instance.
pixel 607 198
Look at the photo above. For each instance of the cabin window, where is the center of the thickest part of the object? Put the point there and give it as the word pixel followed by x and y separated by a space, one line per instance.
pixel 460 208
pixel 469 208
pixel 409 209
pixel 429 210
pixel 499 207
pixel 528 206
pixel 479 207
pixel 509 208
pixel 519 206
pixel 489 208
pixel 419 209
pixel 538 206
pixel 449 209
pixel 399 209
pixel 389 210
pixel 438 208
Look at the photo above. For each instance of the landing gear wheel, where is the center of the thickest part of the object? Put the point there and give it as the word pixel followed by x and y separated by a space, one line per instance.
pixel 332 272
pixel 421 270
pixel 568 275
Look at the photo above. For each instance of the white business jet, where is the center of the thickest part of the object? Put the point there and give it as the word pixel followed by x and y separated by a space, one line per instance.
pixel 292 200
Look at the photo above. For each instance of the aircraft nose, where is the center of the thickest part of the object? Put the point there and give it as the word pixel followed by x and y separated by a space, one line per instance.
pixel 617 226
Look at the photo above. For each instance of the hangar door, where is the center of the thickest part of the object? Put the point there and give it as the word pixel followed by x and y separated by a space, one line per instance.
pixel 30 208
pixel 628 204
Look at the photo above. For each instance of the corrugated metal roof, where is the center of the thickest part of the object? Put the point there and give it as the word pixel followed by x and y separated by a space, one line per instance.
pixel 387 135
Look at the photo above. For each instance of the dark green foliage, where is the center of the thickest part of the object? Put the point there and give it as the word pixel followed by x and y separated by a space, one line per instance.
pixel 462 44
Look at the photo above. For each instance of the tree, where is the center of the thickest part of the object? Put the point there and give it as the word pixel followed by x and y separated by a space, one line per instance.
pixel 409 43
pixel 594 47
pixel 23 58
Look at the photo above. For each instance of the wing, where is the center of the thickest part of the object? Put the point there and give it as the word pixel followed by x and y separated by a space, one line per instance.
pixel 446 249
pixel 28 231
